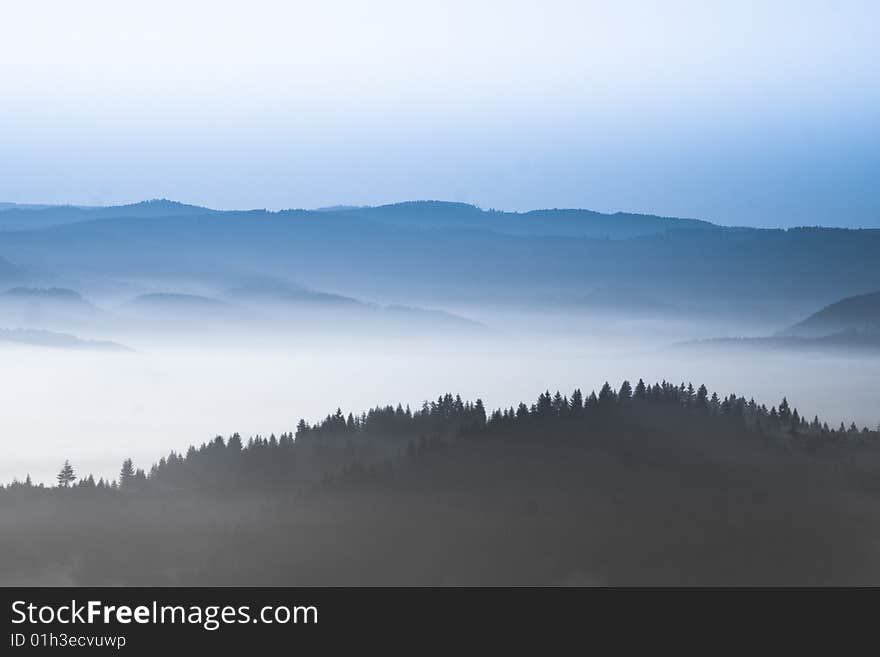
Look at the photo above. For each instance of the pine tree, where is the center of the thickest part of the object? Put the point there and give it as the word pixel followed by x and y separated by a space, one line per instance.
pixel 641 390
pixel 626 392
pixel 480 412
pixel 606 395
pixel 702 400
pixel 126 474
pixel 577 401
pixel 66 477
pixel 784 410
pixel 559 404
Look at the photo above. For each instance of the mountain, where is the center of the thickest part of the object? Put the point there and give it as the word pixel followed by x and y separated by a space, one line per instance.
pixel 42 338
pixel 425 215
pixel 173 307
pixel 172 301
pixel 30 217
pixel 274 292
pixel 443 215
pixel 849 324
pixel 445 254
pixel 277 308
pixel 854 315
pixel 52 308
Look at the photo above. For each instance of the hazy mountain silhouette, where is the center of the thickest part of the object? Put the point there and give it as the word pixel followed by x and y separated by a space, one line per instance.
pixel 29 217
pixel 43 338
pixel 176 300
pixel 419 214
pixel 55 308
pixel 273 291
pixel 429 252
pixel 276 308
pixel 314 308
pixel 851 323
pixel 559 222
pixel 854 315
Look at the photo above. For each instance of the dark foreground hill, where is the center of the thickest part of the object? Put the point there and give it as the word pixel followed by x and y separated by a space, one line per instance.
pixel 658 485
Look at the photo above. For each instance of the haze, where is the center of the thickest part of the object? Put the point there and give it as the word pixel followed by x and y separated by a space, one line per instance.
pixel 99 408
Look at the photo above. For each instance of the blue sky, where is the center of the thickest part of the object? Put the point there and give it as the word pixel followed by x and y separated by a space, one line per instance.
pixel 753 113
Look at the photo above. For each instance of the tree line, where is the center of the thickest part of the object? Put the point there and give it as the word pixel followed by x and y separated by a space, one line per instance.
pixel 382 436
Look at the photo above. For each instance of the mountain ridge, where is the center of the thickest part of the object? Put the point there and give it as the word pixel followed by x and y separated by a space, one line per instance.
pixel 857 314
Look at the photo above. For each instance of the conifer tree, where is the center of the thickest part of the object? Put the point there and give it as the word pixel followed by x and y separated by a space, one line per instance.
pixel 126 474
pixel 606 395
pixel 784 410
pixel 641 390
pixel 702 399
pixel 67 476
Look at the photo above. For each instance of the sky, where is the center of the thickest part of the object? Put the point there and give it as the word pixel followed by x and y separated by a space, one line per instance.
pixel 746 113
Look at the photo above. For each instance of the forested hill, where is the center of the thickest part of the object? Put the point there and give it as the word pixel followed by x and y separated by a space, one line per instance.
pixel 414 214
pixel 387 436
pixel 652 484
pixel 859 315
pixel 441 215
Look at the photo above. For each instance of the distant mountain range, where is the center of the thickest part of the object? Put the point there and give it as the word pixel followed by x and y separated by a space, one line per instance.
pixel 262 307
pixel 423 214
pixel 432 253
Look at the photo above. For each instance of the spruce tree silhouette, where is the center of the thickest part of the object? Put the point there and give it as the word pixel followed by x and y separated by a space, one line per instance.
pixel 702 399
pixel 606 395
pixel 67 476
pixel 126 474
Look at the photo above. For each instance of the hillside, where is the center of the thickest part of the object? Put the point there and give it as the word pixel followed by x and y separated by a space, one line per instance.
pixel 859 315
pixel 53 339
pixel 441 215
pixel 33 217
pixel 766 273
pixel 272 307
pixel 414 214
pixel 657 484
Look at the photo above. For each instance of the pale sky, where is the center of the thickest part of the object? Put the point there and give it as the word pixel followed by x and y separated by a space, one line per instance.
pixel 757 113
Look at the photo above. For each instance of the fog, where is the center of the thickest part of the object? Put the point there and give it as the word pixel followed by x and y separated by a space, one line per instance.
pixel 97 407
